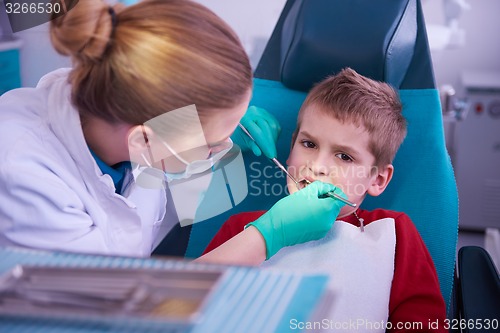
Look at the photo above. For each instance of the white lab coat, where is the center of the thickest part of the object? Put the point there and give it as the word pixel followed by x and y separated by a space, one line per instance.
pixel 52 193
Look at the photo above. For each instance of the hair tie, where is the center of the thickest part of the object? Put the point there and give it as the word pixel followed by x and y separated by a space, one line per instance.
pixel 114 21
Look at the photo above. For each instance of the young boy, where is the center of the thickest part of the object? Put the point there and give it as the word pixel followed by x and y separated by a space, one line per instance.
pixel 382 276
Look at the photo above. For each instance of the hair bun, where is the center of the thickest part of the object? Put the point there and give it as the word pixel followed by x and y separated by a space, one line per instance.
pixel 84 32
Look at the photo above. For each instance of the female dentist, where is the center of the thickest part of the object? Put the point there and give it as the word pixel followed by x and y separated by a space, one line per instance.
pixel 64 144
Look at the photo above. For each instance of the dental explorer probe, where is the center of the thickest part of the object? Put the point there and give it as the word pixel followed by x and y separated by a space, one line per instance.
pixel 304 182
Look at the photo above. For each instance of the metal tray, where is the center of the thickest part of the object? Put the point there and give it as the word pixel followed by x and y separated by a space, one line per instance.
pixel 108 295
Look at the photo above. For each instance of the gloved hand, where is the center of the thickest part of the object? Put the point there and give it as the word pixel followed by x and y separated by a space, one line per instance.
pixel 299 218
pixel 263 127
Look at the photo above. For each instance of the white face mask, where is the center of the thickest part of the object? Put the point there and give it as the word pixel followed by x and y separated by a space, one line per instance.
pixel 198 166
pixel 194 167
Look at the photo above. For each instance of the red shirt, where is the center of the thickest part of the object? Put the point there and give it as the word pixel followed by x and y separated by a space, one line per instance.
pixel 415 295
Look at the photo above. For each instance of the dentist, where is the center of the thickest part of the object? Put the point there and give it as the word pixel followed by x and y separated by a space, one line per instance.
pixel 66 145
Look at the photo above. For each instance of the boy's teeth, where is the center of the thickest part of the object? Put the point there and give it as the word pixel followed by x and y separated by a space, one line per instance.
pixel 303 183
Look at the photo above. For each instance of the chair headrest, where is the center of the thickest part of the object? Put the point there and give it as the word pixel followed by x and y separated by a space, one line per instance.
pixel 320 37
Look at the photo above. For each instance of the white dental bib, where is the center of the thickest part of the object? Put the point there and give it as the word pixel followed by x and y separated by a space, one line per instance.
pixel 361 269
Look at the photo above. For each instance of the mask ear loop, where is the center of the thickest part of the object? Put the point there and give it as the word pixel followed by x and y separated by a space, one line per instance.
pixel 174 153
pixel 146 140
pixel 146 161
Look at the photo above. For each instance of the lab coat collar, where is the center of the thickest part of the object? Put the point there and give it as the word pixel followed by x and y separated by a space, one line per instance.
pixel 64 121
pixel 116 172
pixel 63 117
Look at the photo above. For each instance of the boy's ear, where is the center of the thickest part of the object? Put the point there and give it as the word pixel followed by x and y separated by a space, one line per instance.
pixel 381 179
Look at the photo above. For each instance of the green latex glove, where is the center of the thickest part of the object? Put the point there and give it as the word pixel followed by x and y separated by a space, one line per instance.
pixel 263 127
pixel 299 218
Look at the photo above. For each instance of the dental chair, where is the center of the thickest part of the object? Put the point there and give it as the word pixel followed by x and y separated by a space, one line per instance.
pixel 478 290
pixel 385 40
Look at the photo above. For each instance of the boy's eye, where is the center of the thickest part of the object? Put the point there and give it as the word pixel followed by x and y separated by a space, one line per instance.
pixel 344 157
pixel 308 144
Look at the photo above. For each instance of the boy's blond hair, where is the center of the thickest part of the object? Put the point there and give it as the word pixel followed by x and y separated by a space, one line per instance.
pixel 351 97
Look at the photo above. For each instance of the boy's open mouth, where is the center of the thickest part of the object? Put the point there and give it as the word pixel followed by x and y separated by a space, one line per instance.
pixel 303 183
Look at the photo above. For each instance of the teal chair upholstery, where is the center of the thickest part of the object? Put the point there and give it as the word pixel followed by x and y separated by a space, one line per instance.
pixel 384 40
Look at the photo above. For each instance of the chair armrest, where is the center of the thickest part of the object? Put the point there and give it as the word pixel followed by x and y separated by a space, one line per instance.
pixel 479 289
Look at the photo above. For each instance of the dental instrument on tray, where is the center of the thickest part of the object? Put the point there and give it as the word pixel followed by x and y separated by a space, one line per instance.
pixel 302 183
pixel 170 294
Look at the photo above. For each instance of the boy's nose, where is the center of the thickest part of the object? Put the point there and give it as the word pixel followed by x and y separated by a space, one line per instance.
pixel 318 169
